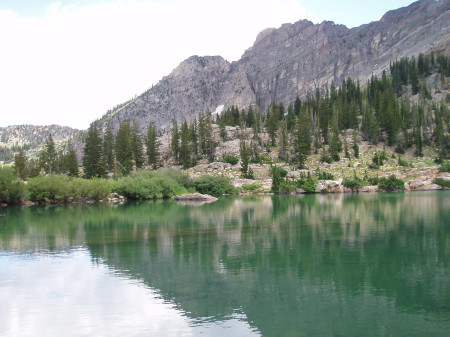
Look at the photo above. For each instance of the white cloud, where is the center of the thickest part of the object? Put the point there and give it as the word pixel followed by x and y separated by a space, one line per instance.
pixel 74 63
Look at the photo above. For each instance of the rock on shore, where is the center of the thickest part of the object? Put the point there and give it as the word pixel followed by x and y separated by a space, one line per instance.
pixel 194 197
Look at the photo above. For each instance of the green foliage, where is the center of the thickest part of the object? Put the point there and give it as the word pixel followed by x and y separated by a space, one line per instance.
pixel 229 158
pixel 278 179
pixel 93 159
pixel 404 163
pixel 245 152
pixel 324 175
pixel 143 185
pixel 326 158
pixel 307 183
pixel 61 188
pixel 392 183
pixel 251 187
pixel 378 159
pixel 20 164
pixel 12 191
pixel 124 148
pixel 445 166
pixel 185 150
pixel 441 182
pixel 353 183
pixel 137 145
pixel 214 185
pixel 152 147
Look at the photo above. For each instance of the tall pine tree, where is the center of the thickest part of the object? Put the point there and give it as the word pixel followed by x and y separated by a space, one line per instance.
pixel 93 160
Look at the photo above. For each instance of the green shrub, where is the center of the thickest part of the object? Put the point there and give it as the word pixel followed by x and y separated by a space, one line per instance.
pixel 214 185
pixel 391 184
pixel 326 158
pixel 12 191
pixel 278 179
pixel 229 158
pixel 323 175
pixel 373 180
pixel 445 166
pixel 441 182
pixel 403 162
pixel 143 185
pixel 353 183
pixel 307 183
pixel 51 188
pixel 57 188
pixel 94 189
pixel 251 187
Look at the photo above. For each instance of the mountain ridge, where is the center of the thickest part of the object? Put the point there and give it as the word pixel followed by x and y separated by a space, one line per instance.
pixel 295 59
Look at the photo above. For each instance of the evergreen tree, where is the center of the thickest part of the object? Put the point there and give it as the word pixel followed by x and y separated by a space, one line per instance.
pixel 223 130
pixel 302 144
pixel 273 118
pixel 124 148
pixel 71 161
pixel 244 153
pixel 283 141
pixel 206 136
pixel 137 145
pixel 185 148
pixel 20 164
pixel 108 149
pixel 175 141
pixel 194 141
pixel 48 157
pixel 152 147
pixel 93 160
pixel 335 142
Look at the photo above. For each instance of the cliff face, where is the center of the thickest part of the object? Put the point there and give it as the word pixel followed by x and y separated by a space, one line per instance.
pixel 292 60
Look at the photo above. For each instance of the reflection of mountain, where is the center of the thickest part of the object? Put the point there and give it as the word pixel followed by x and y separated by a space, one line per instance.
pixel 289 263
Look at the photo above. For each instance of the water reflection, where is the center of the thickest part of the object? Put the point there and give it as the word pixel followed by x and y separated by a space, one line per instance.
pixel 319 265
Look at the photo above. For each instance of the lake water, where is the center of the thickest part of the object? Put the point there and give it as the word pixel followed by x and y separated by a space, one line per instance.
pixel 307 265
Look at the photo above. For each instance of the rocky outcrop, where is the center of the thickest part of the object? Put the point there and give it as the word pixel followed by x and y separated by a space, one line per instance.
pixel 292 60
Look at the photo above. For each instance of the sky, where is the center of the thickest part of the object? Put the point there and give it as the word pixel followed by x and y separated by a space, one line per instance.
pixel 68 62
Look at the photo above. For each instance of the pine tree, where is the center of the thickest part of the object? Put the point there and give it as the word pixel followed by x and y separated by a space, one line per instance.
pixel 137 145
pixel 175 141
pixel 185 148
pixel 194 141
pixel 244 153
pixel 20 164
pixel 152 147
pixel 206 136
pixel 124 148
pixel 108 149
pixel 302 144
pixel 71 161
pixel 283 141
pixel 273 118
pixel 93 160
pixel 48 157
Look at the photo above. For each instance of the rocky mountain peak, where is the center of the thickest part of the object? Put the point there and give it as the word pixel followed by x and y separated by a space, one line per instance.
pixel 295 59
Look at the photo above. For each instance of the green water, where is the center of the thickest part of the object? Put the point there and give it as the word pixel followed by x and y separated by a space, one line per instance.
pixel 312 265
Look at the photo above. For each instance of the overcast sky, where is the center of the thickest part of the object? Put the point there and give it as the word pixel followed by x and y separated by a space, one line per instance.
pixel 68 62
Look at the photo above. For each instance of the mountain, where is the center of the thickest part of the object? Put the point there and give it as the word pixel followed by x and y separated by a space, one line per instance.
pixel 292 60
pixel 31 137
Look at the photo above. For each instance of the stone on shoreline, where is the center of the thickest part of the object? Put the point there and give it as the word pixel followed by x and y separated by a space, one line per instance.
pixel 194 197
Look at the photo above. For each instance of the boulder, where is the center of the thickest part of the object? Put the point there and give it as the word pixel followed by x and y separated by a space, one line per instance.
pixel 194 197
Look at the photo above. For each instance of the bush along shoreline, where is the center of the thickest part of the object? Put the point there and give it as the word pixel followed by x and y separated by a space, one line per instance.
pixel 164 184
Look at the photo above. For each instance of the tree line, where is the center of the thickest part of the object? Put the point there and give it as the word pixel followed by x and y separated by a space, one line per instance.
pixel 381 111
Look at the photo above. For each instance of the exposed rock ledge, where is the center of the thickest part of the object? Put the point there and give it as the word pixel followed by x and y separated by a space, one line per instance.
pixel 194 197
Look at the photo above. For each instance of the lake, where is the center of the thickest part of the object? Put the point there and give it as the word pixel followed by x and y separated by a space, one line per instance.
pixel 306 265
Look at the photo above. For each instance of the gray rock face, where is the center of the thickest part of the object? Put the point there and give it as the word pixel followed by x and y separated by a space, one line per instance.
pixel 292 60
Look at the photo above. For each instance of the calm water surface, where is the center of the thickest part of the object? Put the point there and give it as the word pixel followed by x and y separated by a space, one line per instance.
pixel 314 265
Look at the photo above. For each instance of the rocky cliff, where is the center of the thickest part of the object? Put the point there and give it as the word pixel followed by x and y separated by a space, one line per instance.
pixel 292 60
